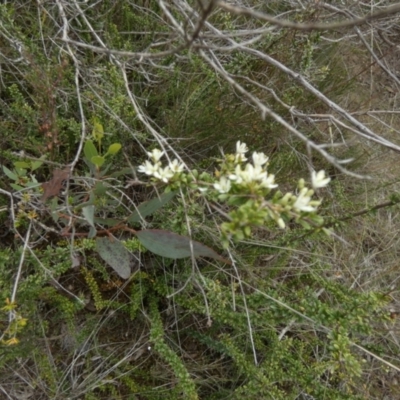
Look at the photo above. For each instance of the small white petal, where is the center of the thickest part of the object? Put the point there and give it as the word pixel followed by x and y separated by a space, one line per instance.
pixel 318 179
pixel 256 172
pixel 241 148
pixel 224 185
pixel 148 168
pixel 237 176
pixel 269 182
pixel 259 159
pixel 164 174
pixel 176 166
pixel 155 155
pixel 302 202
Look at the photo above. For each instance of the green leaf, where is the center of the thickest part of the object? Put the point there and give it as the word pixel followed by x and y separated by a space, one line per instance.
pixel 91 201
pixel 16 187
pixel 171 245
pixel 22 164
pixel 98 160
pixel 90 150
pixel 149 207
pixel 115 255
pixel 54 209
pixel 114 148
pixel 88 213
pixel 20 171
pixel 32 184
pixel 304 224
pixel 10 174
pixel 92 232
pixel 36 164
pixel 105 170
pixel 100 189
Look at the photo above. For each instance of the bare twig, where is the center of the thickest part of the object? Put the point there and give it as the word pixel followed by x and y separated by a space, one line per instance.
pixel 389 11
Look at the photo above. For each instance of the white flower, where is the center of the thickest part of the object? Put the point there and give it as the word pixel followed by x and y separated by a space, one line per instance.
pixel 164 174
pixel 253 173
pixel 259 159
pixel 155 155
pixel 176 166
pixel 237 176
pixel 241 148
pixel 148 168
pixel 303 202
pixel 269 182
pixel 318 179
pixel 224 185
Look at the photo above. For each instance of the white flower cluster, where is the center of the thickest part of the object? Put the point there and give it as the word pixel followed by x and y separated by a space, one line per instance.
pixel 251 176
pixel 154 167
pixel 257 173
pixel 246 186
pixel 251 173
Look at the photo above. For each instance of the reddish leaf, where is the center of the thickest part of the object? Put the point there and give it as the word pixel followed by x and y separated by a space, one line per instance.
pixel 171 245
pixel 53 186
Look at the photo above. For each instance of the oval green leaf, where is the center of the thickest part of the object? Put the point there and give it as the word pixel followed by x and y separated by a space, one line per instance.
pixel 115 255
pixel 90 150
pixel 16 187
pixel 149 207
pixel 88 213
pixel 35 165
pixel 114 148
pixel 22 164
pixel 98 160
pixel 10 174
pixel 171 245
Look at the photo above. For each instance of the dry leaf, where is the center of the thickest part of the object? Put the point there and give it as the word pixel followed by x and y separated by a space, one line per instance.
pixel 53 186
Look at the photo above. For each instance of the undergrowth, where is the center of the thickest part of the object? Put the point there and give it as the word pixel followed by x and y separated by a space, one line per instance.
pixel 269 314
